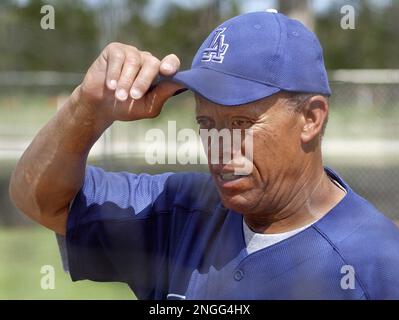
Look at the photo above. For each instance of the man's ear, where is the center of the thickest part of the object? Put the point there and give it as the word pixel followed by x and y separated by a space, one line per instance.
pixel 314 115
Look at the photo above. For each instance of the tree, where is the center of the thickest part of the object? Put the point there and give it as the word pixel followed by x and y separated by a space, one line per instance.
pixel 372 44
pixel 300 10
pixel 69 47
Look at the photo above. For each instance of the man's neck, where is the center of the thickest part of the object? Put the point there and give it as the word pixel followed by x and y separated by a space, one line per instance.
pixel 312 201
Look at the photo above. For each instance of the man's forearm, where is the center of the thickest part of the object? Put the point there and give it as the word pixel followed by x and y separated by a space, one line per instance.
pixel 116 87
pixel 51 170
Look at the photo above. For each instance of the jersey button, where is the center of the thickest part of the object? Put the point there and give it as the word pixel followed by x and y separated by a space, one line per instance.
pixel 238 275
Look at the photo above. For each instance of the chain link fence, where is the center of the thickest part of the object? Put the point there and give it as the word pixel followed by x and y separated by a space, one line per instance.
pixel 362 138
pixel 361 141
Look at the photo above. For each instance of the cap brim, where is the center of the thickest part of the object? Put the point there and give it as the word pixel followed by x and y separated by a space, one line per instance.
pixel 222 88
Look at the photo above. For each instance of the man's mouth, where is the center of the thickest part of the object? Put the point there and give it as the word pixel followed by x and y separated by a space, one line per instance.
pixel 230 181
pixel 229 176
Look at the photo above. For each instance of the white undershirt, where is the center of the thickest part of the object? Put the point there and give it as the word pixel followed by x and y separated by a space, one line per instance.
pixel 257 241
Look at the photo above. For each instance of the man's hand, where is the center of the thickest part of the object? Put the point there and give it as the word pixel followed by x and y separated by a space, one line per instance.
pixel 116 86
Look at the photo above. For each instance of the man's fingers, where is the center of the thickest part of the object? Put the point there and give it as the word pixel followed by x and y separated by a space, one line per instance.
pixel 130 73
pixel 115 57
pixel 158 96
pixel 151 104
pixel 169 65
pixel 131 67
pixel 146 76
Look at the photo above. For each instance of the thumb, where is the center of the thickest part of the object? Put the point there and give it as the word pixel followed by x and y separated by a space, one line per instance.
pixel 164 90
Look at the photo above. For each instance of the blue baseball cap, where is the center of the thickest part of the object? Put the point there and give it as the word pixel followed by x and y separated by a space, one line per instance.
pixel 253 56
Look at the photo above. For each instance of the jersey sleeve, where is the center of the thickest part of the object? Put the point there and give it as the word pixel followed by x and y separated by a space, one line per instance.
pixel 114 233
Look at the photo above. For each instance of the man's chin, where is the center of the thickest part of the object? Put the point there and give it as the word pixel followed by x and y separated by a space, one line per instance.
pixel 237 203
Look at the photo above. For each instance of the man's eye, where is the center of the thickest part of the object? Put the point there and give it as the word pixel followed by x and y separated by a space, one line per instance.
pixel 204 123
pixel 241 124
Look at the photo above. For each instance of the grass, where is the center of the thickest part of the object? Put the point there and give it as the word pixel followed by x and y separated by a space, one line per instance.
pixel 23 252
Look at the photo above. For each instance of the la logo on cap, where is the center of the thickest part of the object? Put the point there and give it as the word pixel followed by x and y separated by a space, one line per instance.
pixel 217 49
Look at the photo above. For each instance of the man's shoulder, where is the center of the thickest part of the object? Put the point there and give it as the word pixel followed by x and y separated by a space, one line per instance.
pixel 376 235
pixel 356 218
pixel 367 241
pixel 147 192
pixel 356 223
pixel 192 190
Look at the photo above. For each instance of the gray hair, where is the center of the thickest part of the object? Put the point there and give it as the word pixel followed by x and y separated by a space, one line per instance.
pixel 297 101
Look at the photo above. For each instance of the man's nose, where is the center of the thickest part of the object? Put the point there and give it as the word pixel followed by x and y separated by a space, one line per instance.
pixel 225 146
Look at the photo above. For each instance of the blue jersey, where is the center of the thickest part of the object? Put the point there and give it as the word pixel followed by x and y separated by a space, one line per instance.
pixel 168 236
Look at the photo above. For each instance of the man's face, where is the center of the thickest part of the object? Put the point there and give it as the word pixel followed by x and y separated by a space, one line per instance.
pixel 277 153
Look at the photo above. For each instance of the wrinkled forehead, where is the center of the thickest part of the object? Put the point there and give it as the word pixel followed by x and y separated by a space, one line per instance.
pixel 253 109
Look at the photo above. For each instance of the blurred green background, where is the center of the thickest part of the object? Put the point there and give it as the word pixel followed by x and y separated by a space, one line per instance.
pixel 39 68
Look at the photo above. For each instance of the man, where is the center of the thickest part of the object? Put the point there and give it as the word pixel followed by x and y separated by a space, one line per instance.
pixel 289 229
